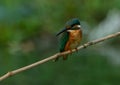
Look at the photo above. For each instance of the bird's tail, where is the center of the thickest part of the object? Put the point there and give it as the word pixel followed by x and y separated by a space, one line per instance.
pixel 56 59
pixel 64 58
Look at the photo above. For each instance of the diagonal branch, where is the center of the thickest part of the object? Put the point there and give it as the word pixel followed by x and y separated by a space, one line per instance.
pixel 11 73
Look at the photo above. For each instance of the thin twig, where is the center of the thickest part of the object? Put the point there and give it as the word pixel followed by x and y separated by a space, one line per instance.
pixel 11 73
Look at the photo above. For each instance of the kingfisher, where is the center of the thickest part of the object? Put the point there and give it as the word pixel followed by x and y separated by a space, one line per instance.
pixel 71 36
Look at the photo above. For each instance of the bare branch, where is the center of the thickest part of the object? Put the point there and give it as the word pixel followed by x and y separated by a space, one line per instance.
pixel 57 55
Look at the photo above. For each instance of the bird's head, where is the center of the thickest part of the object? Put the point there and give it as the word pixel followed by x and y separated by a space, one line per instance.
pixel 73 24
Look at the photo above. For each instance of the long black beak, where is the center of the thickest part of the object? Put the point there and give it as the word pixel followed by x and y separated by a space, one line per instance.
pixel 63 30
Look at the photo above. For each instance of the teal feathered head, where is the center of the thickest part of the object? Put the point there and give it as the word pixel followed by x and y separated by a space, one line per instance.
pixel 72 24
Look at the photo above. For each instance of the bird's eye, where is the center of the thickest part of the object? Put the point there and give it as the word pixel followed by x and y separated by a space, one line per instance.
pixel 75 27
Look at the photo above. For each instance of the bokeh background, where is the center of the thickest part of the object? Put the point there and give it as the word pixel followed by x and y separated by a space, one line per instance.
pixel 27 35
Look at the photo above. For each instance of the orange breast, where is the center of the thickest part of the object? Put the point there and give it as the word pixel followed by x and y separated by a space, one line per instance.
pixel 75 37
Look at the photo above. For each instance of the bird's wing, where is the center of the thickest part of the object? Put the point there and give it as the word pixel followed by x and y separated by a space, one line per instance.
pixel 63 41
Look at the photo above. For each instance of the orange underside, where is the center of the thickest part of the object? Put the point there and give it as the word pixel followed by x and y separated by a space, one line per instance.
pixel 74 40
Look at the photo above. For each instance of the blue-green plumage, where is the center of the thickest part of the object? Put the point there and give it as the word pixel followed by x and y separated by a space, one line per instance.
pixel 63 41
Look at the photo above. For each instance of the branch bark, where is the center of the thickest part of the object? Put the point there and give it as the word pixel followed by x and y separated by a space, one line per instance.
pixel 11 73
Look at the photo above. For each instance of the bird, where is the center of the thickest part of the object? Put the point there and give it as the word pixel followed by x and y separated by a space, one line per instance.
pixel 71 36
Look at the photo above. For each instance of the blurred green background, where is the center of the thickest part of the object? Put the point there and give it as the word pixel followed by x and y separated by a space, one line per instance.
pixel 27 34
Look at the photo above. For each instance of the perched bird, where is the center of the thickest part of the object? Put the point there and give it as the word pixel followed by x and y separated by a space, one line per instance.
pixel 71 36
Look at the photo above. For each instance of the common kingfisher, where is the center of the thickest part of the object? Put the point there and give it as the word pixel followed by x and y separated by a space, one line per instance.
pixel 71 36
